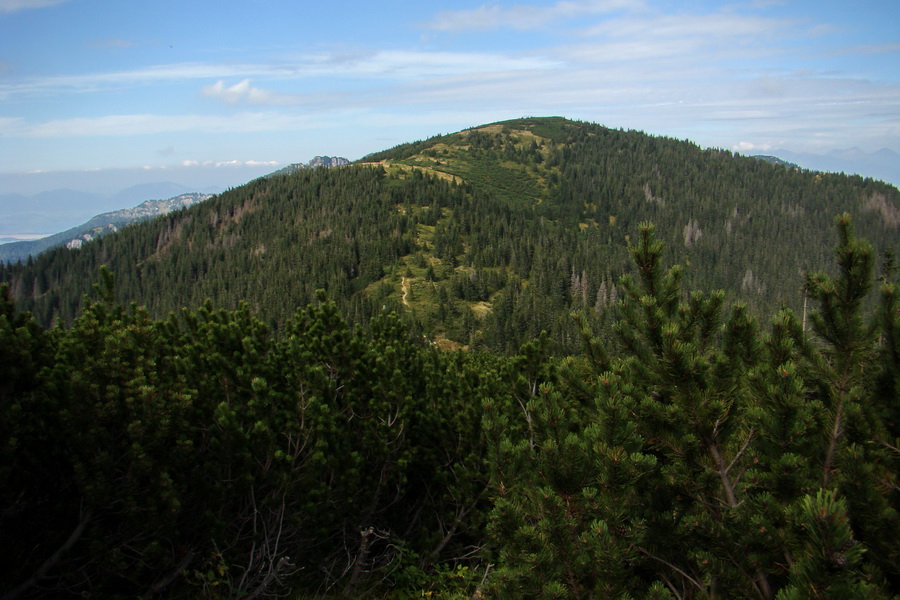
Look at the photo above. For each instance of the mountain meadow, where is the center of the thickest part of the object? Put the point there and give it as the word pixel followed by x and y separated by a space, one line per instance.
pixel 533 359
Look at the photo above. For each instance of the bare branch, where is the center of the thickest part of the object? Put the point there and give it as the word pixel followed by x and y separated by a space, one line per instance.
pixel 161 584
pixel 693 581
pixel 53 560
pixel 740 453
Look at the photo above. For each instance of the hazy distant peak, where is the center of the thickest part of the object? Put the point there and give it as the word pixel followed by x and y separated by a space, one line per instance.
pixel 154 191
pixel 883 164
pixel 887 153
pixel 98 226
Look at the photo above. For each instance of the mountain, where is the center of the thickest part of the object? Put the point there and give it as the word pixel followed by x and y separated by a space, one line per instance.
pixel 98 226
pixel 481 238
pixel 62 209
pixel 777 161
pixel 48 211
pixel 141 192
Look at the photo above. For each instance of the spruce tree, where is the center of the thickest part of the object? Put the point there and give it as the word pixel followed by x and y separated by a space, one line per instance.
pixel 849 366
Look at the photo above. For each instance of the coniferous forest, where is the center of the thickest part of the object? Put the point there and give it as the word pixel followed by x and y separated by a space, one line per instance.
pixel 537 359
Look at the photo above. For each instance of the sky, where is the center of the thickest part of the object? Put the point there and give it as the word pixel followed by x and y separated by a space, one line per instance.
pixel 100 94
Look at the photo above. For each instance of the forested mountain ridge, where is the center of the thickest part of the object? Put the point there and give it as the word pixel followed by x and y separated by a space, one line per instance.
pixel 481 238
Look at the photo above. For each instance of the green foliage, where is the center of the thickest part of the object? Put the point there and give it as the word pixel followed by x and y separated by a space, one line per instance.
pixel 690 455
pixel 561 526
pixel 830 565
pixel 201 456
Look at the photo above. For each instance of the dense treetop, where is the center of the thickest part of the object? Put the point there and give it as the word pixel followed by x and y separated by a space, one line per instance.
pixel 692 452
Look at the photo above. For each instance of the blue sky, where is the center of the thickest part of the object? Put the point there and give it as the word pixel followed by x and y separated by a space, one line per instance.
pixel 215 93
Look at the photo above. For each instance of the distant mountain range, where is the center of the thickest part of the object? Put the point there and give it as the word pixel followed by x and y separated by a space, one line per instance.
pixel 62 209
pixel 21 214
pixel 98 226
pixel 777 161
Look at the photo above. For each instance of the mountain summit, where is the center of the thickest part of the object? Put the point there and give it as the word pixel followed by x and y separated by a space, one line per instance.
pixel 317 161
pixel 483 237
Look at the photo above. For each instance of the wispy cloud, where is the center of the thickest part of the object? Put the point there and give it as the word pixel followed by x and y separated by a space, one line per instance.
pixel 92 82
pixel 525 17
pixel 419 64
pixel 11 126
pixel 143 124
pixel 393 64
pixel 10 6
pixel 727 34
pixel 868 50
pixel 111 44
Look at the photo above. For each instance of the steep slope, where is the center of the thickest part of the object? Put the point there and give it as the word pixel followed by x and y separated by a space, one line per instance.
pixel 482 238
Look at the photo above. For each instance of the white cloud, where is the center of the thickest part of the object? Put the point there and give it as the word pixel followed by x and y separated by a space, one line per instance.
pixel 10 6
pixel 245 93
pixel 751 147
pixel 239 92
pixel 229 163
